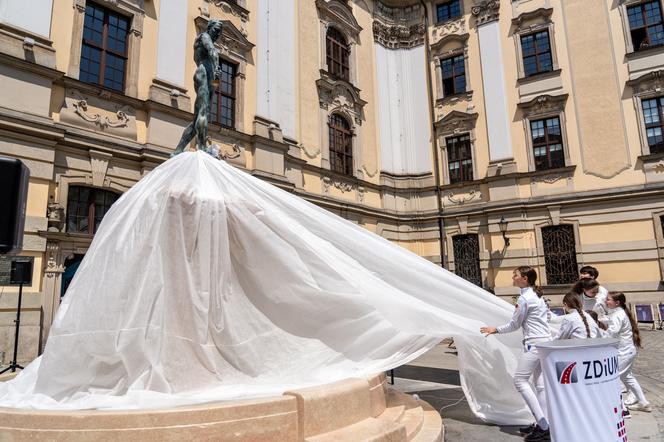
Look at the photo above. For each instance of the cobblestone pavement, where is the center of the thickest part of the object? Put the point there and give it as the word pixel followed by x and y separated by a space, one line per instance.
pixel 434 377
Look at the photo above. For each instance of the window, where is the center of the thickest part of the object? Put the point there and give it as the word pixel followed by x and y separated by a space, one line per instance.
pixel 467 258
pixel 547 143
pixel 338 54
pixel 104 49
pixel 560 254
pixel 454 75
pixel 86 206
pixel 653 117
pixel 448 10
pixel 459 158
pixel 645 25
pixel 661 220
pixel 222 109
pixel 536 52
pixel 341 145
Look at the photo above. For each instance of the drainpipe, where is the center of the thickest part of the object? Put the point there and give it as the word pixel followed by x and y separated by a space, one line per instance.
pixel 436 171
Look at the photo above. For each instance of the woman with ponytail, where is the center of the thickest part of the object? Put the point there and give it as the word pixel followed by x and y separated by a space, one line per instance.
pixel 531 314
pixel 591 298
pixel 576 324
pixel 623 326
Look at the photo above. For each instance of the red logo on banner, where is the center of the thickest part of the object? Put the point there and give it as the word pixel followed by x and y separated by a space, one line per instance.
pixel 566 372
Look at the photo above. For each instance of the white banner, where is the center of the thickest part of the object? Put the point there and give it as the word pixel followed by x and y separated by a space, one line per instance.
pixel 583 390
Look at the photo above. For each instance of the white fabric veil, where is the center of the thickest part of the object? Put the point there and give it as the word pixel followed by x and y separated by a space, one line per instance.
pixel 204 283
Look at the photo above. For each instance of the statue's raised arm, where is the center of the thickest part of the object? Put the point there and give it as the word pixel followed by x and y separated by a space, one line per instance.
pixel 206 57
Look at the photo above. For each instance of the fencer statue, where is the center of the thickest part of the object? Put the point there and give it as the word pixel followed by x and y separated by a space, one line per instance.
pixel 206 77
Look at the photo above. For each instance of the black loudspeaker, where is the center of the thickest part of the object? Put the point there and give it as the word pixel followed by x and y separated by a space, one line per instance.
pixel 14 176
pixel 21 272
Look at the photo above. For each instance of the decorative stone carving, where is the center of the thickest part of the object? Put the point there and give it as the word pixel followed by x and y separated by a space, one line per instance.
pixel 52 266
pixel 99 162
pixel 232 40
pixel 486 11
pixel 103 121
pixel 454 27
pixel 343 186
pixel 311 155
pixel 55 213
pixel 371 173
pixel 339 13
pixel 229 7
pixel 544 104
pixel 360 194
pixel 337 95
pixel 456 122
pixel 395 27
pixel 549 178
pixel 531 20
pixel 649 83
pixel 463 197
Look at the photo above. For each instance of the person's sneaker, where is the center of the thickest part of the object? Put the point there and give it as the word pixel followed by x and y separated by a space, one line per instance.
pixel 626 414
pixel 631 399
pixel 640 407
pixel 538 435
pixel 528 429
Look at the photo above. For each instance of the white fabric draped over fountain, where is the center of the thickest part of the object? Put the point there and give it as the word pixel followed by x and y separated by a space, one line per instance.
pixel 204 283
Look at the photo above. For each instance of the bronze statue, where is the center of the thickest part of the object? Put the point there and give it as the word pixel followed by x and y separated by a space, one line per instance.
pixel 207 74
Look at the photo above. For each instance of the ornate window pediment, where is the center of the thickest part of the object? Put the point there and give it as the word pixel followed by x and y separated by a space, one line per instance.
pixel 339 13
pixel 532 20
pixel 486 11
pixel 456 122
pixel 231 40
pixel 651 83
pixel 543 105
pixel 450 43
pixel 339 95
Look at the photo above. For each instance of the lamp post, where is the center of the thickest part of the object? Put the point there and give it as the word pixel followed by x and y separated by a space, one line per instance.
pixel 502 225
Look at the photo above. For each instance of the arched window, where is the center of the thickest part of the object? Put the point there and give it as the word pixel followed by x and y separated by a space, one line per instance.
pixel 86 206
pixel 338 54
pixel 341 145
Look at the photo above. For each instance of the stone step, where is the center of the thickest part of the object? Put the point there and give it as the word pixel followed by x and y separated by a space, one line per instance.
pixel 432 429
pixel 368 430
pixel 413 416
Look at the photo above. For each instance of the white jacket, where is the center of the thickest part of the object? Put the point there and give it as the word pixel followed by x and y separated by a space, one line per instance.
pixel 598 303
pixel 572 327
pixel 621 328
pixel 531 314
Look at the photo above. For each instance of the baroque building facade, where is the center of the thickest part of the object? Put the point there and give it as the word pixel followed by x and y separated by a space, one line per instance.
pixel 479 134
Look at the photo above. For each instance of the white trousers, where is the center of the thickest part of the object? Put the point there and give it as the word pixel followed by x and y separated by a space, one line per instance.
pixel 625 362
pixel 529 366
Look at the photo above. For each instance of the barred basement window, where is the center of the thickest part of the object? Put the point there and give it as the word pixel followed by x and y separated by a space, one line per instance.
pixel 560 254
pixel 467 258
pixel 86 206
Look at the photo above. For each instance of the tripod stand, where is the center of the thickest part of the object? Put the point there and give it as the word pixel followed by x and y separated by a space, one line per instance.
pixel 21 273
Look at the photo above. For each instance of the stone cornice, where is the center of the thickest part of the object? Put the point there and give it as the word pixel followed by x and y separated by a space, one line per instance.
pixel 397 28
pixel 544 104
pixel 486 11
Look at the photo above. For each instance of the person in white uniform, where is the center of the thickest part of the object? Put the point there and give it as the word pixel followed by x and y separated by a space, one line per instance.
pixel 591 298
pixel 576 324
pixel 590 272
pixel 531 315
pixel 623 326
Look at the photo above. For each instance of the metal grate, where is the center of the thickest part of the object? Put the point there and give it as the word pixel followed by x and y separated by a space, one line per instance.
pixel 560 254
pixel 467 258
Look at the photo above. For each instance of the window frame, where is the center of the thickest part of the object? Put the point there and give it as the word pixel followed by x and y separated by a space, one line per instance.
pixel 91 207
pixel 546 144
pixel 343 70
pixel 476 260
pixel 537 54
pixel 451 17
pixel 345 148
pixel 529 23
pixel 470 169
pixel 103 48
pixel 454 76
pixel 546 277
pixel 219 95
pixel 645 126
pixel 641 5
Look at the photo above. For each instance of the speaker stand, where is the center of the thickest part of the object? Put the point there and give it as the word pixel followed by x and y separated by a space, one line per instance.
pixel 13 366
